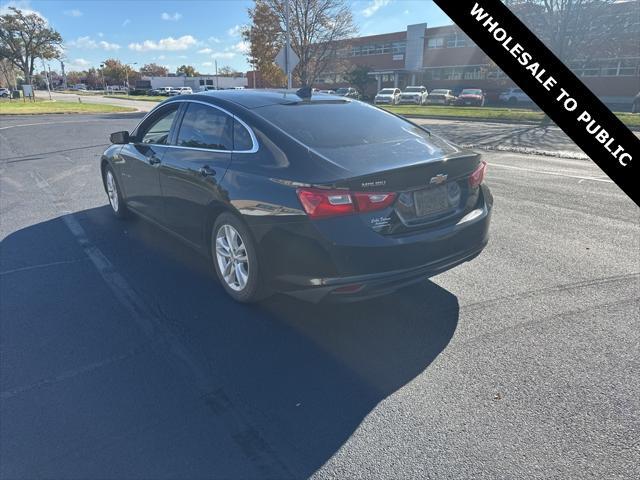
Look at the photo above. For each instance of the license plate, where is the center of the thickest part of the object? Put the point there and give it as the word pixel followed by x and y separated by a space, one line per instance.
pixel 431 200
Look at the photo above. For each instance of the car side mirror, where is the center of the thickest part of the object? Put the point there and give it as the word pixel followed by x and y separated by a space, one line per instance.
pixel 120 138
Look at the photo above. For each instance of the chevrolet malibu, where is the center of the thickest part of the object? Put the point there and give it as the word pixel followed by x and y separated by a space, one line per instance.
pixel 319 197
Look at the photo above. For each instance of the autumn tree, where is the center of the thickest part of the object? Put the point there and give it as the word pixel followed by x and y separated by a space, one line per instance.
pixel 187 70
pixel 24 38
pixel 265 38
pixel 154 70
pixel 8 76
pixel 316 29
pixel 113 71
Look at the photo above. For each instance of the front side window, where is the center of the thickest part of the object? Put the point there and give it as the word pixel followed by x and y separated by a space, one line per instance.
pixel 205 127
pixel 157 130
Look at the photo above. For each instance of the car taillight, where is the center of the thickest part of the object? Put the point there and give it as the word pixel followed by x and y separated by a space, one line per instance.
pixel 477 177
pixel 320 203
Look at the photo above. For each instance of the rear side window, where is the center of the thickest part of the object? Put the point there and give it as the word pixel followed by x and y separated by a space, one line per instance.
pixel 241 137
pixel 205 127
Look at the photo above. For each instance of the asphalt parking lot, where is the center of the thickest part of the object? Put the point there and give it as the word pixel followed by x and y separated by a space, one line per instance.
pixel 121 356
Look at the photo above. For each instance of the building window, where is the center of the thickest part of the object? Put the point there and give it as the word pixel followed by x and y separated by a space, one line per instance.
pixel 435 42
pixel 355 51
pixel 398 47
pixel 455 41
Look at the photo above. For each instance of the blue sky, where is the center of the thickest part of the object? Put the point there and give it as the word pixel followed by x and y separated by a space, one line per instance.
pixel 193 32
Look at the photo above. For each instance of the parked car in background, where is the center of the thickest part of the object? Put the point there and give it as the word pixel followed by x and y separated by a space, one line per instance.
pixel 390 96
pixel 349 92
pixel 117 89
pixel 414 94
pixel 180 91
pixel 160 91
pixel 362 202
pixel 5 92
pixel 471 96
pixel 331 92
pixel 514 96
pixel 79 86
pixel 441 96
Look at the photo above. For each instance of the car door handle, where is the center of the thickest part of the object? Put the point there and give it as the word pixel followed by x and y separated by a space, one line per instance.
pixel 207 171
pixel 153 160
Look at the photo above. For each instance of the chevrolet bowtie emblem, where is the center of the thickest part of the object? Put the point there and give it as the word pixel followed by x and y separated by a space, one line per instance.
pixel 438 179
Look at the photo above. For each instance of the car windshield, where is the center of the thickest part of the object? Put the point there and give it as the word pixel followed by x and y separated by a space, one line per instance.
pixel 471 91
pixel 342 90
pixel 386 91
pixel 438 92
pixel 413 89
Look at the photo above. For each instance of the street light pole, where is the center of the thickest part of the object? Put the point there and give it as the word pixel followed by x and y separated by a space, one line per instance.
pixel 287 46
pixel 126 69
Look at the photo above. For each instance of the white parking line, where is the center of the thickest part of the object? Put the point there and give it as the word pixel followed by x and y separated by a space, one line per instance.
pixel 49 123
pixel 557 174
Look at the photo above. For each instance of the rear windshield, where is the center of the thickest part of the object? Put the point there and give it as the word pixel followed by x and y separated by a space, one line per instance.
pixel 354 134
pixel 471 91
pixel 413 89
pixel 387 90
pixel 439 92
pixel 340 124
pixel 342 90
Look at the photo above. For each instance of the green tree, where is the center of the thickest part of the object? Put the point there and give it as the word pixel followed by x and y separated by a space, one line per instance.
pixel 227 71
pixel 24 38
pixel 359 77
pixel 187 70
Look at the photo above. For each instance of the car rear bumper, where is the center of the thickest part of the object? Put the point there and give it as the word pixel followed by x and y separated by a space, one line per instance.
pixel 414 101
pixel 349 266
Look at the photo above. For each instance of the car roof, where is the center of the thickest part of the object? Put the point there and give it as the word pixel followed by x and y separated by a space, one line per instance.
pixel 261 98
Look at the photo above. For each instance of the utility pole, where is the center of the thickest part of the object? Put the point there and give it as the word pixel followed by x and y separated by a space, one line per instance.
pixel 64 76
pixel 46 77
pixel 288 45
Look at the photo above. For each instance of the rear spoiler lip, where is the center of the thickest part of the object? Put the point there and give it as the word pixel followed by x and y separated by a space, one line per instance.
pixel 343 183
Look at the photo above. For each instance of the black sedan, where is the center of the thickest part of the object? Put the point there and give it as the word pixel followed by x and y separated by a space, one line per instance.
pixel 319 197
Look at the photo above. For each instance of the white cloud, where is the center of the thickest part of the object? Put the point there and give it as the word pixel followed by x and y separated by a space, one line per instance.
pixel 234 31
pixel 89 43
pixel 100 34
pixel 171 17
pixel 108 46
pixel 23 5
pixel 207 64
pixel 214 40
pixel 126 22
pixel 73 13
pixel 83 42
pixel 374 6
pixel 205 50
pixel 168 44
pixel 224 55
pixel 76 64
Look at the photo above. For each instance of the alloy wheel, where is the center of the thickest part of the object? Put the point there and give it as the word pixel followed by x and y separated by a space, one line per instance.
pixel 112 191
pixel 232 257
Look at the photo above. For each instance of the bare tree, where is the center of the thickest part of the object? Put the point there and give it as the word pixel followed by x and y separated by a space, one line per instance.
pixel 316 28
pixel 24 38
pixel 579 29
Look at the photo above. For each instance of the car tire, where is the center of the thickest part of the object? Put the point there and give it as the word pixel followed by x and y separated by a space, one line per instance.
pixel 114 193
pixel 235 259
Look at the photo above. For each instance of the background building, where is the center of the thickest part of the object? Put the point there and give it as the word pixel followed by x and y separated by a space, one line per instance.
pixel 443 57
